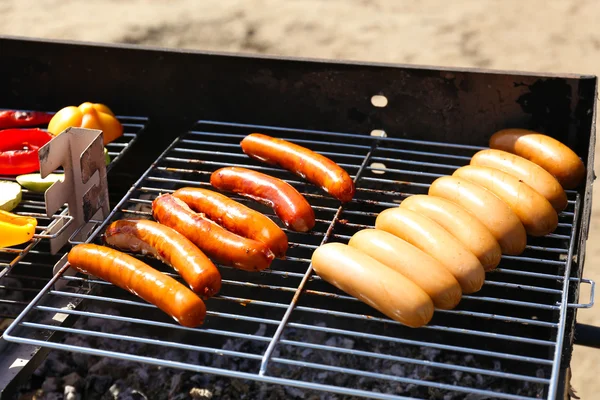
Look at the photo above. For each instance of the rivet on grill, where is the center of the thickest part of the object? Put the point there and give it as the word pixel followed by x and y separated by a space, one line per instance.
pixel 378 132
pixel 378 168
pixel 379 101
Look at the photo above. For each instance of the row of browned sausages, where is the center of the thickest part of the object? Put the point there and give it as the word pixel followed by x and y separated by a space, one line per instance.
pixel 433 248
pixel 195 227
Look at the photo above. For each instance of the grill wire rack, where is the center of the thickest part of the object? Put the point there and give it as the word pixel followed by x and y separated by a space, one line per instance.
pixel 508 337
pixel 26 268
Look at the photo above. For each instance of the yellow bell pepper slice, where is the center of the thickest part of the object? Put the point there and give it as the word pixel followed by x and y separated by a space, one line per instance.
pixel 15 229
pixel 87 115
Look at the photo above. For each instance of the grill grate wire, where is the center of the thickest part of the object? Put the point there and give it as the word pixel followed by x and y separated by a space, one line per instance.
pixel 517 318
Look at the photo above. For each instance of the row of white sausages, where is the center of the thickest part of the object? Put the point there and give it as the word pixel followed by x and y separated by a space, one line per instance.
pixel 433 248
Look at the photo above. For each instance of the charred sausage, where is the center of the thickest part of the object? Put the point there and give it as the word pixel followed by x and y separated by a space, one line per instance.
pixel 169 246
pixel 495 214
pixel 301 161
pixel 133 275
pixel 373 283
pixel 413 263
pixel 430 237
pixel 459 222
pixel 532 174
pixel 218 243
pixel 289 205
pixel 535 212
pixel 235 217
pixel 547 152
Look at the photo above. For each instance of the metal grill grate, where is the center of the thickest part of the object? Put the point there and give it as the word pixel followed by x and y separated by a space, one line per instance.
pixel 298 330
pixel 26 268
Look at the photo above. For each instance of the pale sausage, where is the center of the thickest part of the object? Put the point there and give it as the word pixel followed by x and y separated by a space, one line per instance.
pixel 532 174
pixel 401 256
pixel 547 152
pixel 471 232
pixel 495 214
pixel 373 283
pixel 535 212
pixel 434 240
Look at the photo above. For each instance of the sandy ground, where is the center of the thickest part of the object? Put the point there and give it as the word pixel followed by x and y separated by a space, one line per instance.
pixel 533 35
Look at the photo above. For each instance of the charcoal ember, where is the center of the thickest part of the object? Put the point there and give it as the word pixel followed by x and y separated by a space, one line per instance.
pixel 175 384
pixel 70 393
pixel 131 394
pixel 431 354
pixel 55 366
pixel 240 386
pixel 141 374
pixel 200 380
pixel 398 369
pixel 73 379
pixel 116 389
pixel 51 396
pixel 96 385
pixel 32 395
pixel 80 361
pixel 200 394
pixel 294 392
pixel 51 384
pixel 191 357
pixel 102 367
pixel 262 329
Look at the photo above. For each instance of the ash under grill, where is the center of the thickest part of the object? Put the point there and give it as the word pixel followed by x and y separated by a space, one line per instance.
pixel 26 268
pixel 286 326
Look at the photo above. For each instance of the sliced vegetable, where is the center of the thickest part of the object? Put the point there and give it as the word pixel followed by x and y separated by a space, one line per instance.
pixel 87 115
pixel 10 195
pixel 20 119
pixel 36 183
pixel 15 229
pixel 19 150
pixel 106 157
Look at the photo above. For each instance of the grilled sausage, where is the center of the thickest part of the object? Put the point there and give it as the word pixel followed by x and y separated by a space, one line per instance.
pixel 169 246
pixel 459 222
pixel 218 243
pixel 535 212
pixel 547 152
pixel 495 214
pixel 133 275
pixel 532 174
pixel 303 162
pixel 289 205
pixel 430 237
pixel 373 283
pixel 235 217
pixel 413 263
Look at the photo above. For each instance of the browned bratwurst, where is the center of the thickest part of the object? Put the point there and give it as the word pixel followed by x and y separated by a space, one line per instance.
pixel 169 246
pixel 289 205
pixel 218 243
pixel 235 217
pixel 301 161
pixel 138 278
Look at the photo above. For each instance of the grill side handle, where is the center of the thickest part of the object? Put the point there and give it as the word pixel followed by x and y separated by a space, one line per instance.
pixel 589 304
pixel 587 335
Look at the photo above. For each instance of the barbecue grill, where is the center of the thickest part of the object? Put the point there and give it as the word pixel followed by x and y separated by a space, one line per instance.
pixel 394 128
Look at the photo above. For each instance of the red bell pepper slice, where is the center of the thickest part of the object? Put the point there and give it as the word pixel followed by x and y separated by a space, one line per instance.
pixel 18 119
pixel 19 150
